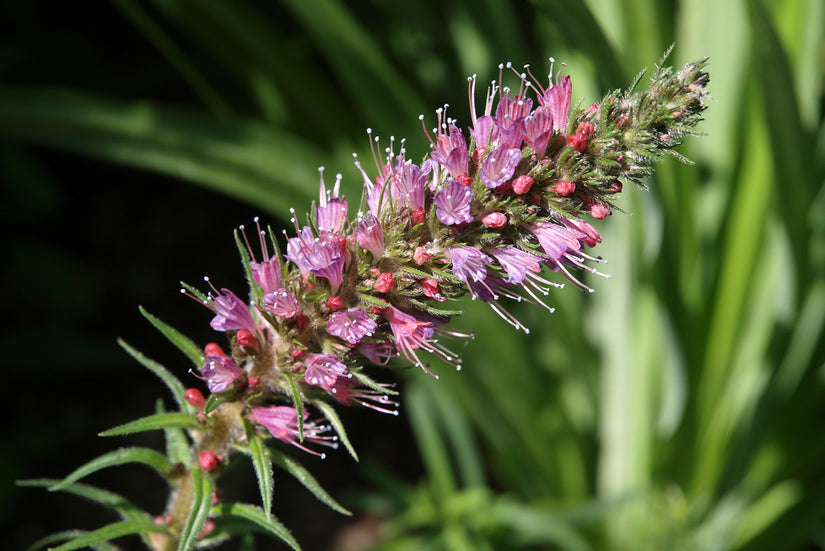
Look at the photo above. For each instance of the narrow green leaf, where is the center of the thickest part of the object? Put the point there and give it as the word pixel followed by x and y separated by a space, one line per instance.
pixel 123 506
pixel 335 421
pixel 367 381
pixel 298 398
pixel 177 445
pixel 110 532
pixel 306 479
pixel 255 515
pixel 182 342
pixel 67 535
pixel 263 466
pixel 172 382
pixel 216 400
pixel 197 293
pixel 154 422
pixel 201 505
pixel 148 457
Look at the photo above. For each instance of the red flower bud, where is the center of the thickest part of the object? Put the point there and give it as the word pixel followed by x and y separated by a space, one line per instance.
pixel 494 220
pixel 578 141
pixel 421 256
pixel 599 211
pixel 208 526
pixel 522 184
pixel 464 179
pixel 418 216
pixel 213 349
pixel 207 461
pixel 247 342
pixel 430 287
pixel 195 397
pixel 215 497
pixel 301 320
pixel 614 186
pixel 253 382
pixel 298 353
pixel 384 282
pixel 335 303
pixel 585 128
pixel 478 153
pixel 564 188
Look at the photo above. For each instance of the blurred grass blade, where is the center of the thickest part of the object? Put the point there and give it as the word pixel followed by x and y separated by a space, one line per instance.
pixel 154 422
pixel 246 160
pixel 146 456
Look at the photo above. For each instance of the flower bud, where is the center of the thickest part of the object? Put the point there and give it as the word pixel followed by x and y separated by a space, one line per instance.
pixel 522 184
pixel 464 179
pixel 578 141
pixel 195 398
pixel 335 303
pixel 418 216
pixel 430 287
pixel 585 128
pixel 494 220
pixel 208 527
pixel 247 342
pixel 564 188
pixel 599 211
pixel 421 256
pixel 212 349
pixel 384 282
pixel 207 461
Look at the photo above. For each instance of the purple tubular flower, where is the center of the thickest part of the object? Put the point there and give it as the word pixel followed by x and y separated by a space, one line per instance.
pixel 562 244
pixel 331 213
pixel 516 263
pixel 499 166
pixel 510 116
pixel 378 353
pixel 469 263
pixel 409 183
pixel 282 303
pixel 222 373
pixel 482 131
pixel 323 370
pixel 349 390
pixel 452 204
pixel 282 423
pixel 351 325
pixel 451 151
pixel 557 99
pixel 267 274
pixel 231 313
pixel 321 256
pixel 538 129
pixel 370 235
pixel 410 334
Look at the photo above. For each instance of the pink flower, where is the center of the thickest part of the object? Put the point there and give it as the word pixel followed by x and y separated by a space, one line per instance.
pixel 222 373
pixel 282 423
pixel 515 262
pixel 499 166
pixel 557 99
pixel 351 325
pixel 410 334
pixel 494 220
pixel 469 263
pixel 322 370
pixel 282 303
pixel 321 256
pixel 538 129
pixel 370 235
pixel 231 313
pixel 452 204
pixel 451 150
pixel 331 212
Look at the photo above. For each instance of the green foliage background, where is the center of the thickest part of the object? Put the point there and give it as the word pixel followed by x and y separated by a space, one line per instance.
pixel 680 407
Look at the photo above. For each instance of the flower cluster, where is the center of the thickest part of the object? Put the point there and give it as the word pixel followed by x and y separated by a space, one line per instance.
pixel 491 211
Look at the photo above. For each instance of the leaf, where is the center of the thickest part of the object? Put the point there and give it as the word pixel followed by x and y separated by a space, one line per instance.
pixel 263 466
pixel 165 375
pixel 298 398
pixel 335 421
pixel 110 532
pixel 201 505
pixel 216 400
pixel 177 445
pixel 66 535
pixel 307 480
pixel 148 457
pixel 244 159
pixel 154 422
pixel 124 507
pixel 367 381
pixel 181 341
pixel 255 515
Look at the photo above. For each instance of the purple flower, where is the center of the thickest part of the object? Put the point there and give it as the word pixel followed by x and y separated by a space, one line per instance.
pixel 322 370
pixel 322 256
pixel 557 99
pixel 516 263
pixel 370 235
pixel 499 166
pixel 282 303
pixel 538 129
pixel 556 240
pixel 410 334
pixel 331 213
pixel 266 273
pixel 451 151
pixel 409 183
pixel 231 313
pixel 351 325
pixel 282 423
pixel 469 263
pixel 378 353
pixel 510 115
pixel 452 204
pixel 482 131
pixel 222 373
pixel 349 390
